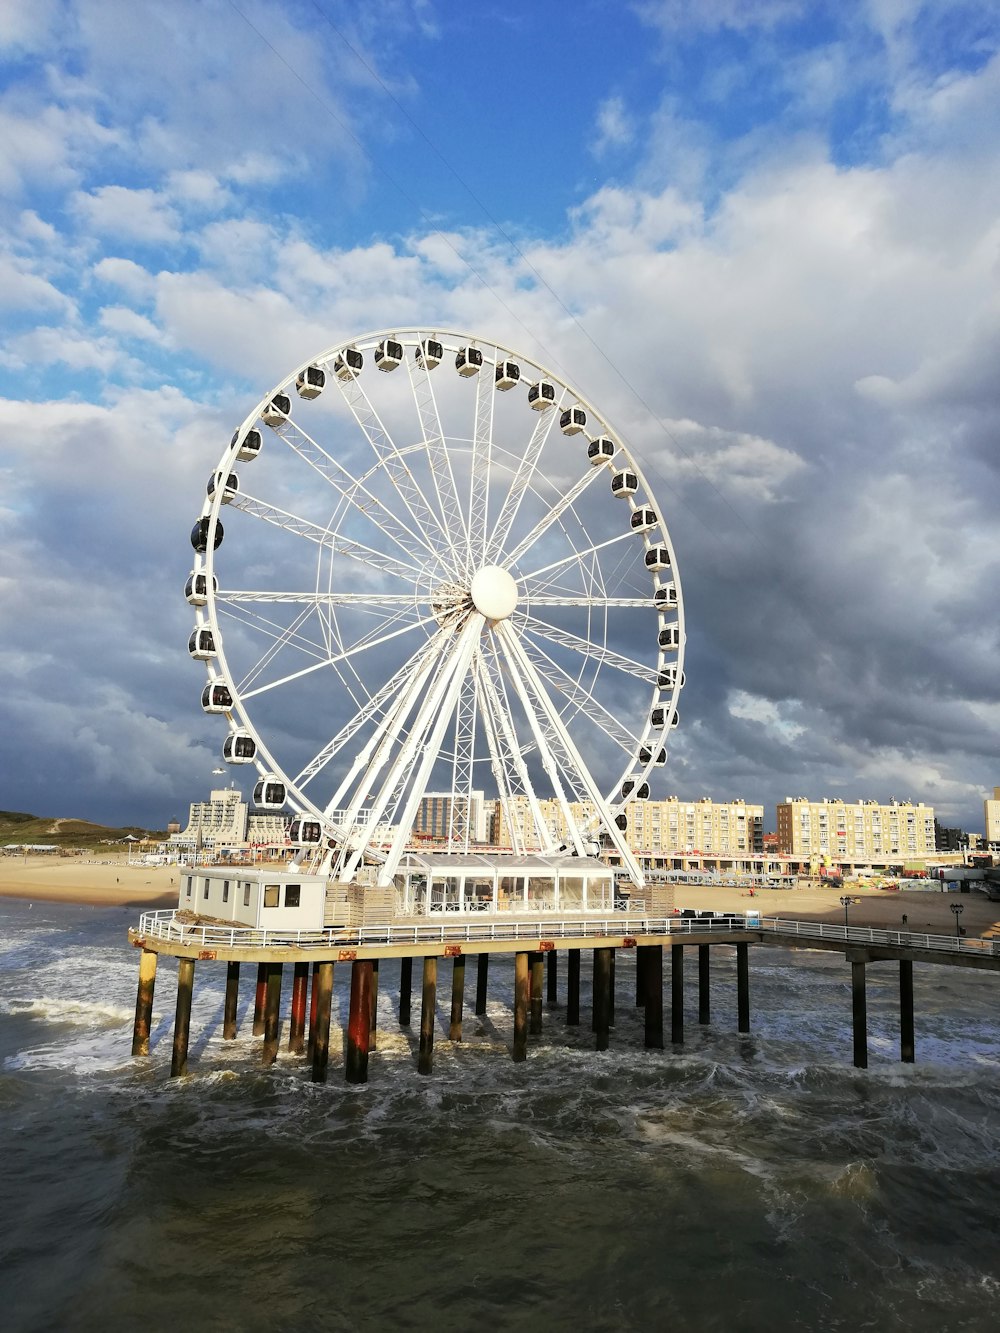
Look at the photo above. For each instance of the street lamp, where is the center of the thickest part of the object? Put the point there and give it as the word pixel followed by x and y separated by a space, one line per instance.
pixel 958 909
pixel 845 903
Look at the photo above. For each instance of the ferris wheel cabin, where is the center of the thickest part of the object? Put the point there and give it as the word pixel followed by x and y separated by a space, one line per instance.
pixel 388 354
pixel 277 410
pixel 542 396
pixel 468 361
pixel 215 697
pixel 249 445
pixel 601 450
pixel 429 354
pixel 230 486
pixel 199 535
pixel 311 382
pixel 239 748
pixel 507 375
pixel 201 644
pixel 269 793
pixel 196 588
pixel 348 363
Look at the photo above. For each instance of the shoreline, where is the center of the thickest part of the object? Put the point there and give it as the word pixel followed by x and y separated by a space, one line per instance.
pixel 112 882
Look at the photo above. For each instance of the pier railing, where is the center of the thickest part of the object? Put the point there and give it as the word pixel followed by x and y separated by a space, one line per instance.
pixel 904 939
pixel 165 925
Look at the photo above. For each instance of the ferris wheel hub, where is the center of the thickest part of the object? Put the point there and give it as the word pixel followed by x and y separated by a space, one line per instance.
pixel 494 592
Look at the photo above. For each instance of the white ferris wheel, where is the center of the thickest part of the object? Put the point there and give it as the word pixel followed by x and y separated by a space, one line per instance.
pixel 441 571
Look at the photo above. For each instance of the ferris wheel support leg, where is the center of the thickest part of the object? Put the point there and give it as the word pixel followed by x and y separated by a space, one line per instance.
pixel 548 760
pixel 515 649
pixel 456 670
pixel 428 1000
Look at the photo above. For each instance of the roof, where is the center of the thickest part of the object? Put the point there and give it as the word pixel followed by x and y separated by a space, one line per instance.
pixel 472 863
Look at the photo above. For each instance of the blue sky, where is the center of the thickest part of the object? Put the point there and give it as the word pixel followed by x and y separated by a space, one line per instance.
pixel 764 237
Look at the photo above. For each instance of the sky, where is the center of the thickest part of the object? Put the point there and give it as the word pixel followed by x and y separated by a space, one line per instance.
pixel 764 237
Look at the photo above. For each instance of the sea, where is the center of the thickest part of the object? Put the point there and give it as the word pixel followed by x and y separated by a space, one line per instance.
pixel 733 1183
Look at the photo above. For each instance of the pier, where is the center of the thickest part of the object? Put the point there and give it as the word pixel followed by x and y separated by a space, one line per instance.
pixel 535 945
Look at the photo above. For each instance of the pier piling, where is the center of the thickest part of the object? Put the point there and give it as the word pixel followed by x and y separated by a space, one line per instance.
pixel 457 998
pixel 537 978
pixel 182 1019
pixel 373 1008
pixel 677 994
pixel 704 983
pixel 144 1003
pixel 907 1050
pixel 312 1012
pixel 323 996
pixel 359 1021
pixel 602 996
pixel 859 1013
pixel 640 981
pixel 231 1005
pixel 297 1016
pixel 649 964
pixel 552 979
pixel 272 1013
pixel 742 989
pixel 259 999
pixel 572 987
pixel 428 1000
pixel 521 970
pixel 482 981
pixel 405 990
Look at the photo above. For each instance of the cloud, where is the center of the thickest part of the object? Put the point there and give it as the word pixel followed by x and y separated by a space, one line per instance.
pixel 614 127
pixel 134 215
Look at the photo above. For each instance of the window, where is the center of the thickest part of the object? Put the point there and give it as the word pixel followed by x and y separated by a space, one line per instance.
pixel 246 895
pixel 271 892
pixel 292 894
pixel 204 893
pixel 225 890
pixel 187 888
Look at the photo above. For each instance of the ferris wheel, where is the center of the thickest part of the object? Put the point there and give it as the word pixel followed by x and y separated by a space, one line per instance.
pixel 440 570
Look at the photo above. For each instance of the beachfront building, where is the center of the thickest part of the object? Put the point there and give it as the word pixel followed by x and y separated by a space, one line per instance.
pixel 221 820
pixel 715 828
pixel 991 812
pixel 855 831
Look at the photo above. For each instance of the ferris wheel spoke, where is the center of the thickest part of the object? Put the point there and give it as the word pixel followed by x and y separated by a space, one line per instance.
pixel 517 653
pixel 239 597
pixel 303 527
pixel 583 701
pixel 554 513
pixel 596 652
pixel 407 538
pixel 522 477
pixel 482 457
pixel 596 602
pixel 442 474
pixel 396 469
pixel 501 775
pixel 575 557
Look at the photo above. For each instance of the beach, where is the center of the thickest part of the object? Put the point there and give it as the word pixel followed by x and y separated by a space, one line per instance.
pixel 112 882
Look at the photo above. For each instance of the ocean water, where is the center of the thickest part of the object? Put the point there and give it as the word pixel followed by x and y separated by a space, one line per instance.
pixel 740 1183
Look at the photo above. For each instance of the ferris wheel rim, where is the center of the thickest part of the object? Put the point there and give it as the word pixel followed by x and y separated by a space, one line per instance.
pixel 265 761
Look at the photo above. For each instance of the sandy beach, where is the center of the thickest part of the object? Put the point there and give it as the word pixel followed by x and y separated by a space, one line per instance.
pixel 112 882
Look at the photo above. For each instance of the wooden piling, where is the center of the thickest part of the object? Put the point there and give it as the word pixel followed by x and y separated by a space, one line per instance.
pixel 312 1012
pixel 602 997
pixel 482 981
pixel 272 1014
pixel 373 1008
pixel 611 988
pixel 323 995
pixel 677 994
pixel 297 1016
pixel 742 988
pixel 537 979
pixel 640 982
pixel 259 999
pixel 428 1000
pixel 552 978
pixel 572 987
pixel 405 990
pixel 521 971
pixel 182 1019
pixel 359 1021
pixel 144 1002
pixel 651 971
pixel 907 1046
pixel 859 1013
pixel 704 983
pixel 231 1003
pixel 457 998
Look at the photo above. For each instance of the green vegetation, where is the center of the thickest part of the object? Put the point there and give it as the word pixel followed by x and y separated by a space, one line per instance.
pixel 17 826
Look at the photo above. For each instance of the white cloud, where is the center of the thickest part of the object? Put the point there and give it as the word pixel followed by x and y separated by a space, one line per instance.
pixel 615 128
pixel 135 215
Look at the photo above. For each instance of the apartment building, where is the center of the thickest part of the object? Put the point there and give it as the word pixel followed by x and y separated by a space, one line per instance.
pixel 726 828
pixel 991 813
pixel 858 831
pixel 434 816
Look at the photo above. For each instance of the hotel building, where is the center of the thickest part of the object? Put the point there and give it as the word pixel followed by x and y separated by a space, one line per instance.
pixel 858 831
